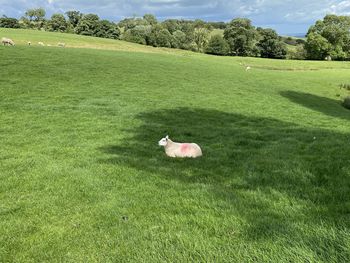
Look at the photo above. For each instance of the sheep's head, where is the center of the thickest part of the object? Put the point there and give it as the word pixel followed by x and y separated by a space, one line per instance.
pixel 164 141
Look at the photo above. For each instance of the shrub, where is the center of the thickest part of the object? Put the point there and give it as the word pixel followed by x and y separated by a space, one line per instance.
pixel 346 103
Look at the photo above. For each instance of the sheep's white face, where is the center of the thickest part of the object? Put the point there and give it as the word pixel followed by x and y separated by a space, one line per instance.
pixel 164 141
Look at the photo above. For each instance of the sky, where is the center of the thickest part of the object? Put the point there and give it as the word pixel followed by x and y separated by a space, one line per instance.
pixel 285 16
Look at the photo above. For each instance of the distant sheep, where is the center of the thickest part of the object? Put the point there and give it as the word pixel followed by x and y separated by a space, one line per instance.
pixel 29 43
pixel 61 44
pixel 181 150
pixel 248 68
pixel 41 44
pixel 7 42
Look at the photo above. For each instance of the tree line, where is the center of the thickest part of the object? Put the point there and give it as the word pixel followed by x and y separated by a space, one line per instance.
pixel 327 39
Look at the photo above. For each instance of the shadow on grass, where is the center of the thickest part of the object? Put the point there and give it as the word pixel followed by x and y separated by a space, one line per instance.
pixel 324 105
pixel 253 164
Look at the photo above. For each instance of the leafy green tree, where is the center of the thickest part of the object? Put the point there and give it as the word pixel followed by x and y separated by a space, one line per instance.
pixel 160 37
pixel 34 18
pixel 107 29
pixel 201 37
pixel 88 25
pixel 74 17
pixel 129 23
pixel 179 40
pixel 188 29
pixel 330 36
pixel 8 22
pixel 57 23
pixel 172 25
pixel 35 14
pixel 217 45
pixel 139 34
pixel 151 19
pixel 317 46
pixel 242 37
pixel 270 44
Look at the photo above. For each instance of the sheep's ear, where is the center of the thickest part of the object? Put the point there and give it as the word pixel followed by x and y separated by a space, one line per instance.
pixel 167 137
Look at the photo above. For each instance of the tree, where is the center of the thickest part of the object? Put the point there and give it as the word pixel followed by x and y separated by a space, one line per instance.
pixel 217 45
pixel 179 40
pixel 107 29
pixel 201 36
pixel 160 37
pixel 35 14
pixel 8 22
pixel 138 34
pixel 151 19
pixel 242 37
pixel 88 25
pixel 317 47
pixel 74 17
pixel 329 36
pixel 129 23
pixel 270 44
pixel 57 23
pixel 172 25
pixel 34 18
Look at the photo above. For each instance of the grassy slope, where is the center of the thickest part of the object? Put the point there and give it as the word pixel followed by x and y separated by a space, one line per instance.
pixel 82 178
pixel 21 37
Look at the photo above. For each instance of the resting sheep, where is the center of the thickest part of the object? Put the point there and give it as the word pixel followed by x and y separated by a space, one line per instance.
pixel 41 44
pixel 61 44
pixel 181 150
pixel 248 68
pixel 7 42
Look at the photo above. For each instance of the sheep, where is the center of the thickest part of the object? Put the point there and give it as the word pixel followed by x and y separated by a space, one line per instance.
pixel 41 44
pixel 61 44
pixel 48 45
pixel 181 150
pixel 29 43
pixel 6 41
pixel 248 68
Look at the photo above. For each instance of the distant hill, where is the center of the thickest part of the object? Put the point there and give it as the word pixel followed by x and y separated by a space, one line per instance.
pixel 301 35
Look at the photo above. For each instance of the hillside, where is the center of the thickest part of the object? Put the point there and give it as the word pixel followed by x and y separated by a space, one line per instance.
pixel 83 179
pixel 22 36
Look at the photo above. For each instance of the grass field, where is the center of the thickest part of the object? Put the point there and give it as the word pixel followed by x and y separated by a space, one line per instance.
pixel 83 179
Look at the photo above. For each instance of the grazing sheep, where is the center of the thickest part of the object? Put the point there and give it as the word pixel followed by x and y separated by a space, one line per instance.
pixel 181 150
pixel 248 68
pixel 7 42
pixel 61 44
pixel 41 44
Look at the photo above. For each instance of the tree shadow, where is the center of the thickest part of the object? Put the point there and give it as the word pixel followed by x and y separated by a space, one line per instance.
pixel 321 104
pixel 250 163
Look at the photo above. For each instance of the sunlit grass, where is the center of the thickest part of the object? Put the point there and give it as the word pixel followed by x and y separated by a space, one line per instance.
pixel 83 180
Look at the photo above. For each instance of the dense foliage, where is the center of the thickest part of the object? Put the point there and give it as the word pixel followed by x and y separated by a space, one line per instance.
pixel 270 44
pixel 327 39
pixel 8 22
pixel 217 46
